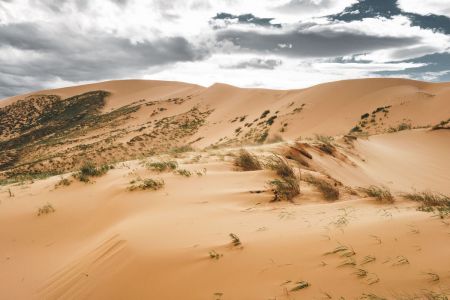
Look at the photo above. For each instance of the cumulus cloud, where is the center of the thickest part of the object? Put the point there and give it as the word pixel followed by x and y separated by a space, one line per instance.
pixel 256 63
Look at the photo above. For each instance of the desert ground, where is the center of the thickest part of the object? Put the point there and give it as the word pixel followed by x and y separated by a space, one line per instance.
pixel 139 189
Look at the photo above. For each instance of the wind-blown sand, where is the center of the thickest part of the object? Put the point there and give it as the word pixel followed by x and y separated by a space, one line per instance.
pixel 104 241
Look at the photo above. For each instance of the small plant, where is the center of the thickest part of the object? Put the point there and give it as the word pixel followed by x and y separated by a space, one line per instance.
pixel 281 166
pixel 328 190
pixel 285 188
pixel 63 182
pixel 381 194
pixel 264 114
pixel 360 273
pixel 183 172
pixel 201 172
pixel 433 276
pixel 214 255
pixel 46 209
pixel 401 260
pixel 247 161
pixel 162 166
pixel 146 184
pixel 300 285
pixel 89 170
pixel 348 262
pixel 368 259
pixel 235 239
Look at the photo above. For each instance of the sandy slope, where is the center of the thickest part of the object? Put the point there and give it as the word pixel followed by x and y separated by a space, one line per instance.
pixel 105 242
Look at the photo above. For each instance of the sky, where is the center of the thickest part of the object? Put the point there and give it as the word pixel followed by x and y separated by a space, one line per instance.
pixel 280 44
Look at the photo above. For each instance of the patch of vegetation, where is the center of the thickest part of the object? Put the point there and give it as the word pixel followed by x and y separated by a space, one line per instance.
pixel 214 255
pixel 182 149
pixel 262 138
pixel 146 184
pixel 235 240
pixel 299 285
pixel 271 120
pixel 63 182
pixel 162 166
pixel 442 125
pixel 328 190
pixel 89 170
pixel 381 194
pixel 400 127
pixel 281 166
pixel 247 161
pixel 431 202
pixel 46 209
pixel 183 172
pixel 22 178
pixel 365 116
pixel 264 114
pixel 285 188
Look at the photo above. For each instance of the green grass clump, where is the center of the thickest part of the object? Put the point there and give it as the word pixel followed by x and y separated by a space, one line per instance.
pixel 46 209
pixel 381 194
pixel 328 190
pixel 162 166
pixel 146 184
pixel 89 170
pixel 247 161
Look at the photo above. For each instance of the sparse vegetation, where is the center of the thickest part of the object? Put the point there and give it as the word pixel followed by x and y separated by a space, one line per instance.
pixel 89 170
pixel 146 184
pixel 381 194
pixel 328 190
pixel 63 182
pixel 285 188
pixel 183 172
pixel 281 166
pixel 214 255
pixel 162 166
pixel 247 161
pixel 431 202
pixel 46 209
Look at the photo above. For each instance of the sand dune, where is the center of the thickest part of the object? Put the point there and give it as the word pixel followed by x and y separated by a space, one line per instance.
pixel 106 239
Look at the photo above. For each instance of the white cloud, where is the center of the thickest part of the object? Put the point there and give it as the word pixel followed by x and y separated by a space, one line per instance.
pixel 438 7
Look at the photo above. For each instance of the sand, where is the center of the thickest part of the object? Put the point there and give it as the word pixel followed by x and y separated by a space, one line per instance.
pixel 104 241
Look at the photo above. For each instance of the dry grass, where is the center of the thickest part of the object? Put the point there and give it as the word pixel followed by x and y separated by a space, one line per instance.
pixel 381 194
pixel 89 170
pixel 46 209
pixel 162 166
pixel 146 184
pixel 247 161
pixel 328 190
pixel 285 188
pixel 281 166
pixel 431 202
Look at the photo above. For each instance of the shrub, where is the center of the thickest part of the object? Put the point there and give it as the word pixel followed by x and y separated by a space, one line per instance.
pixel 365 116
pixel 89 170
pixel 162 166
pixel 182 149
pixel 247 161
pixel 63 182
pixel 146 184
pixel 328 190
pixel 46 209
pixel 382 194
pixel 285 188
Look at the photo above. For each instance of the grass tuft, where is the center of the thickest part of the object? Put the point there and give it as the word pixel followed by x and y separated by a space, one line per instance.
pixel 146 184
pixel 328 190
pixel 235 239
pixel 285 188
pixel 162 166
pixel 89 170
pixel 46 209
pixel 431 202
pixel 381 194
pixel 247 161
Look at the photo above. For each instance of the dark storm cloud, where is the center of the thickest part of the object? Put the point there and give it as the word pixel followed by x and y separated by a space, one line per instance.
pixel 434 63
pixel 256 63
pixel 388 9
pixel 73 56
pixel 325 43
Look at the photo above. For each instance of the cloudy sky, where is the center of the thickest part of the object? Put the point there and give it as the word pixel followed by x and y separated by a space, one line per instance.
pixel 248 43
